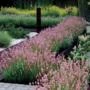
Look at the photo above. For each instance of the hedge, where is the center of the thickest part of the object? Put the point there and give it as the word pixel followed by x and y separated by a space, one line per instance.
pixel 27 21
pixel 45 11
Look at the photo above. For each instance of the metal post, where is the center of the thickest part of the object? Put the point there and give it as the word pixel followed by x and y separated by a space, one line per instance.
pixel 38 17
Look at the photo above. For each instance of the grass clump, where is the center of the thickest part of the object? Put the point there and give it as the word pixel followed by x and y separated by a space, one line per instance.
pixel 21 72
pixel 17 72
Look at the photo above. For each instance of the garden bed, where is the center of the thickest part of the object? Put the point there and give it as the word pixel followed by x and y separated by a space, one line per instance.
pixel 32 49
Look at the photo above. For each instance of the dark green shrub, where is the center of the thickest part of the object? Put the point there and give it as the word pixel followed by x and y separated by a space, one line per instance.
pixel 5 39
pixel 17 32
pixel 67 42
pixel 14 32
pixel 59 46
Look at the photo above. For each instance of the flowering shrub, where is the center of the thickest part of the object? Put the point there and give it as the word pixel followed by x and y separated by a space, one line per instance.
pixel 43 41
pixel 20 71
pixel 50 72
pixel 69 76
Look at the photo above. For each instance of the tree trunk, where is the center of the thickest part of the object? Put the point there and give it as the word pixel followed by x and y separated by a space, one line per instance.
pixel 82 4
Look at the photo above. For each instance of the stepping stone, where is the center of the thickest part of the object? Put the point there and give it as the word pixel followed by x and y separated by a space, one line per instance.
pixel 8 86
pixel 31 34
pixel 16 41
pixel 1 49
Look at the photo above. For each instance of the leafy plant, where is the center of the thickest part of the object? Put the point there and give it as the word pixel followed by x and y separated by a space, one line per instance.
pixel 79 53
pixel 5 39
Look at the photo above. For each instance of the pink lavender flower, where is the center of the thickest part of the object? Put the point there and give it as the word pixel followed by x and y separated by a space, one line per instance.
pixel 30 48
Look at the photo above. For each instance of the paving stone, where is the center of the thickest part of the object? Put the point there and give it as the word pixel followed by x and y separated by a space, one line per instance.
pixel 16 41
pixel 1 49
pixel 88 29
pixel 2 88
pixel 31 34
pixel 8 86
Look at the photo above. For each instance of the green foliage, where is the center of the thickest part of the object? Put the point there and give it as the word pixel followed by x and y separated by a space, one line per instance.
pixel 18 32
pixel 46 11
pixel 34 72
pixel 17 20
pixel 63 12
pixel 51 21
pixel 5 39
pixel 53 11
pixel 13 10
pixel 77 54
pixel 17 72
pixel 75 11
pixel 14 32
pixel 72 10
pixel 27 21
pixel 80 52
pixel 87 45
pixel 57 45
pixel 67 42
pixel 21 72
